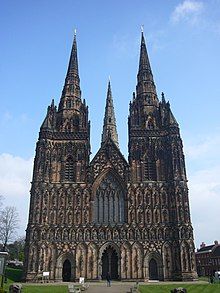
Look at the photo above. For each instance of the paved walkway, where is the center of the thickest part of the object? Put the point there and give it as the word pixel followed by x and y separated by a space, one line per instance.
pixel 124 287
pixel 116 287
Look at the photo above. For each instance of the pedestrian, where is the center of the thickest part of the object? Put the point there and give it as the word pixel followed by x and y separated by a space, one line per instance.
pixel 108 279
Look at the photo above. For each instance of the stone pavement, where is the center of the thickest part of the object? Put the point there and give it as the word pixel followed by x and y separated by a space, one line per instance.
pixel 116 287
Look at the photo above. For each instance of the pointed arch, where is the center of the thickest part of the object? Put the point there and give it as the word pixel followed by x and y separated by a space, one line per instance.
pixel 61 270
pixel 110 251
pixel 108 199
pixel 153 264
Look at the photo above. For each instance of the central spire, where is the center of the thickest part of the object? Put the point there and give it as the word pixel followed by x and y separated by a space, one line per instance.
pixel 71 90
pixel 145 78
pixel 109 127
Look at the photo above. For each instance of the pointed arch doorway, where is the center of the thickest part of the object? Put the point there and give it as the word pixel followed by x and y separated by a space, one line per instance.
pixel 153 270
pixel 66 273
pixel 110 263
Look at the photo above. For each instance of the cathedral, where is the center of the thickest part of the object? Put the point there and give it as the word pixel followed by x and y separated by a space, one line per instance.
pixel 129 218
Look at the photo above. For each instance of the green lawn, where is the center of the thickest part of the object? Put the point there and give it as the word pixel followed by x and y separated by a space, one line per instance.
pixel 44 289
pixel 191 288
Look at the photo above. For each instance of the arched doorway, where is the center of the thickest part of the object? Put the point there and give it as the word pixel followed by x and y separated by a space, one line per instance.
pixel 66 274
pixel 153 270
pixel 110 263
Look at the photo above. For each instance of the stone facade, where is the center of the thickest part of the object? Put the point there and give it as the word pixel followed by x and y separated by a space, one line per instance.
pixel 88 218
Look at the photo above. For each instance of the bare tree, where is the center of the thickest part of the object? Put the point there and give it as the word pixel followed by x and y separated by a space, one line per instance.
pixel 8 225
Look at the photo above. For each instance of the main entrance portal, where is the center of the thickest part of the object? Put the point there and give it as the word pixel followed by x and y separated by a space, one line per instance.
pixel 153 270
pixel 66 271
pixel 110 263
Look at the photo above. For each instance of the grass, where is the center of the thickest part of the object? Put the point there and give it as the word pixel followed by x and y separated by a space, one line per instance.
pixel 15 275
pixel 44 289
pixel 191 288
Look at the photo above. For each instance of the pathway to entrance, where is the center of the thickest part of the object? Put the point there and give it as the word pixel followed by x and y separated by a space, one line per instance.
pixel 116 287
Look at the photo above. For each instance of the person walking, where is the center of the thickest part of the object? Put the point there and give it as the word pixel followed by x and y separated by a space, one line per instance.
pixel 108 279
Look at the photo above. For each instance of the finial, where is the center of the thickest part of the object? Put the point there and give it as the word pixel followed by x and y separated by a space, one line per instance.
pixel 142 28
pixel 75 32
pixel 109 78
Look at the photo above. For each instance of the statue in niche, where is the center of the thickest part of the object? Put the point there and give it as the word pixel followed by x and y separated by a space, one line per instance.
pixel 123 235
pixel 140 217
pixel 87 235
pixel 145 235
pixel 65 235
pixel 109 233
pixel 80 235
pixel 148 217
pixel 138 234
pixel 116 235
pixel 132 216
pixel 102 235
pixel 94 234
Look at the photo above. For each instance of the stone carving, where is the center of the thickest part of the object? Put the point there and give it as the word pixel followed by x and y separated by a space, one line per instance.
pixel 139 208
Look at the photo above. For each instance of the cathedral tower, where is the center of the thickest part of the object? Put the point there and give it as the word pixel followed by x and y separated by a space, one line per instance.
pixel 132 218
pixel 158 179
pixel 59 194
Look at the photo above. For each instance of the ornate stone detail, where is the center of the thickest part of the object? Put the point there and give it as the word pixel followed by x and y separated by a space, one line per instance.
pixel 90 217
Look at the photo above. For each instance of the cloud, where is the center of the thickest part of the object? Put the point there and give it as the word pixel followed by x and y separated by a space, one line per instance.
pixel 188 11
pixel 203 162
pixel 15 177
pixel 204 187
pixel 203 147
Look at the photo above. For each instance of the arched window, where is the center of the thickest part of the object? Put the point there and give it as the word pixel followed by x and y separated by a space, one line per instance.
pixel 109 205
pixel 69 170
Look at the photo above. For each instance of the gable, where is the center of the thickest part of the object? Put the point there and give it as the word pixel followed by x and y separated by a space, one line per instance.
pixel 109 157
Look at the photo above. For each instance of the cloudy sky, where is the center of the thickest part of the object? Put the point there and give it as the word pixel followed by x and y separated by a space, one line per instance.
pixel 183 40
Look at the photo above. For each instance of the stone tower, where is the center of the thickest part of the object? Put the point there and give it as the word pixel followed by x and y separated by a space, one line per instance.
pixel 130 218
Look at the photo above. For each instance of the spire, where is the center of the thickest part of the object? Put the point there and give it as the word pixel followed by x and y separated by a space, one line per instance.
pixel 144 63
pixel 109 127
pixel 145 76
pixel 71 89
